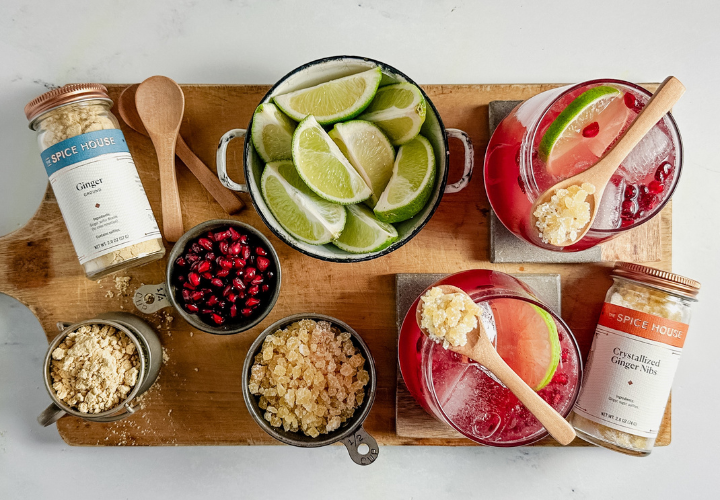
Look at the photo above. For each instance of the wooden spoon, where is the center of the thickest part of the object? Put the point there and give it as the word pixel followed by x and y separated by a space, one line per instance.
pixel 665 97
pixel 480 349
pixel 160 104
pixel 227 200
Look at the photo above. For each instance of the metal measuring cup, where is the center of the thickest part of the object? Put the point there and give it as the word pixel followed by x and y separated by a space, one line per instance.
pixel 148 346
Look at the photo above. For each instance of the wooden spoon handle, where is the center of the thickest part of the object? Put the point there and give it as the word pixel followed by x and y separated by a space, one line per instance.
pixel 230 203
pixel 556 425
pixel 169 193
pixel 662 101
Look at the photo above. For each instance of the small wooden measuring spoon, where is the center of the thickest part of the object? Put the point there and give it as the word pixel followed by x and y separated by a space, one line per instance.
pixel 227 200
pixel 480 349
pixel 160 104
pixel 665 97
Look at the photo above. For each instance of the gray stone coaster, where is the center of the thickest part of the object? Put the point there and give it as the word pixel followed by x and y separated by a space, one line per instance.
pixel 505 246
pixel 409 286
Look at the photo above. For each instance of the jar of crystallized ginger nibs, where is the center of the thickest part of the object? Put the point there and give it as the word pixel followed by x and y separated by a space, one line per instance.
pixel 637 346
pixel 94 179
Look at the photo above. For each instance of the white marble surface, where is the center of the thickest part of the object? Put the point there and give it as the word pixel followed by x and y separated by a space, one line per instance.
pixel 45 43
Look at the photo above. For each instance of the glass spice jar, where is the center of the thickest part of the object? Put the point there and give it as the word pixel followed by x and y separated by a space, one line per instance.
pixel 634 355
pixel 93 176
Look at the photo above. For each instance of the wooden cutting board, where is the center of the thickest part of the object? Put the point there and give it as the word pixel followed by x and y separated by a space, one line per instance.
pixel 198 399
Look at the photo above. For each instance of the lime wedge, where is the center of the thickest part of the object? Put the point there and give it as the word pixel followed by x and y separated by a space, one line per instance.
pixel 571 121
pixel 332 101
pixel 527 340
pixel 323 167
pixel 300 211
pixel 411 183
pixel 363 233
pixel 399 110
pixel 369 151
pixel 272 133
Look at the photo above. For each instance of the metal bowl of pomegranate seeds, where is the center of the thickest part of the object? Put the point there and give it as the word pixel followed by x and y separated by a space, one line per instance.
pixel 223 277
pixel 356 366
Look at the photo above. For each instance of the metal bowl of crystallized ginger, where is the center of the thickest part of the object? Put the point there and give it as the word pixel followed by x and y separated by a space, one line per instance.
pixel 351 432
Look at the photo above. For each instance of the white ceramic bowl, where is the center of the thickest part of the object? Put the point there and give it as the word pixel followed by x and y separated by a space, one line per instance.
pixel 323 70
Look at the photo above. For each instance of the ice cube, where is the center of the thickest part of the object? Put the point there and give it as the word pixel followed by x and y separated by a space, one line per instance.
pixel 652 150
pixel 608 216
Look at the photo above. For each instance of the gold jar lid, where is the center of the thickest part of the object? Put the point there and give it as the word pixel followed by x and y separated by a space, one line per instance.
pixel 65 95
pixel 664 280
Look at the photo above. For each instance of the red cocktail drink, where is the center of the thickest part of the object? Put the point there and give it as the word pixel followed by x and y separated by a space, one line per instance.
pixel 462 394
pixel 562 132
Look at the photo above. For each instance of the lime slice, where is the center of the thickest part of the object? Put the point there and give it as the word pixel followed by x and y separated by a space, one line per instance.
pixel 363 233
pixel 527 340
pixel 300 211
pixel 399 110
pixel 566 131
pixel 272 133
pixel 411 183
pixel 323 167
pixel 332 101
pixel 369 151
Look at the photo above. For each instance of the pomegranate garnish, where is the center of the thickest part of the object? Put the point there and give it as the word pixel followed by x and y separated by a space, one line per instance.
pixel 246 252
pixel 257 280
pixel 217 282
pixel 663 171
pixel 244 239
pixel 262 263
pixel 219 320
pixel 223 273
pixel 629 207
pixel 235 248
pixel 246 311
pixel 210 256
pixel 633 103
pixel 591 130
pixel 180 261
pixel 265 288
pixel 232 297
pixel 205 243
pixel 192 308
pixel 249 274
pixel 631 192
pixel 211 301
pixel 234 235
pixel 233 311
pixel 191 257
pixel 260 251
pixel 203 266
pixel 207 275
pixel 254 290
pixel 252 302
pixel 206 311
pixel 238 263
pixel 227 290
pixel 188 286
pixel 196 296
pixel 222 235
pixel 656 187
pixel 194 279
pixel 238 283
pixel 187 295
pixel 226 263
pixel 269 275
pixel 224 247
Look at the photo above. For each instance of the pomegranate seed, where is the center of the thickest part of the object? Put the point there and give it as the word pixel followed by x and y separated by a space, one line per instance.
pixel 257 280
pixel 238 284
pixel 233 311
pixel 269 275
pixel 210 256
pixel 223 273
pixel 663 171
pixel 232 297
pixel 249 274
pixel 211 301
pixel 227 290
pixel 187 295
pixel 224 247
pixel 260 251
pixel 265 288
pixel 629 207
pixel 194 279
pixel 219 320
pixel 192 308
pixel 206 311
pixel 222 235
pixel 205 243
pixel 649 201
pixel 244 239
pixel 591 130
pixel 210 236
pixel 262 263
pixel 238 263
pixel 235 248
pixel 194 265
pixel 246 252
pixel 633 103
pixel 234 235
pixel 246 312
pixel 203 266
pixel 196 248
pixel 208 275
pixel 656 187
pixel 254 290
pixel 191 257
pixel 188 286
pixel 252 302
pixel 216 282
pixel 226 263
pixel 180 262
pixel 631 192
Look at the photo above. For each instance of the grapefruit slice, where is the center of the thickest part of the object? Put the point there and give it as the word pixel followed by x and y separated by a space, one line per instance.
pixel 582 132
pixel 527 340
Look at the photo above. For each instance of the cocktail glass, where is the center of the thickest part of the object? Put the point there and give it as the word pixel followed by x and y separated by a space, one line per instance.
pixel 460 392
pixel 515 173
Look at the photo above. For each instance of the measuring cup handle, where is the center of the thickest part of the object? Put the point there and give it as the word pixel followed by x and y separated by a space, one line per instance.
pixel 221 160
pixel 50 415
pixel 353 442
pixel 469 160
